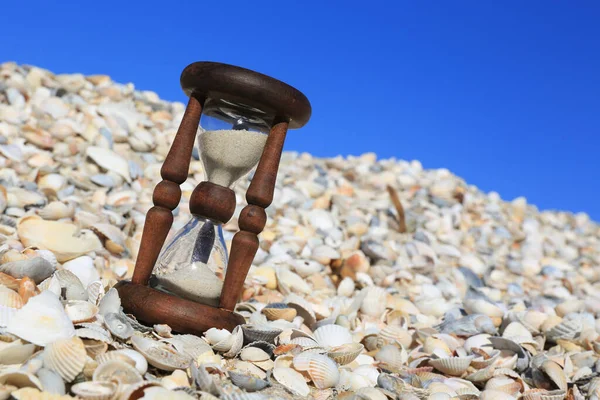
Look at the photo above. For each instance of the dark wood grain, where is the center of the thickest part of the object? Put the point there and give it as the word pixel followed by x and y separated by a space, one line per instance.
pixel 241 85
pixel 259 196
pixel 213 201
pixel 177 163
pixel 261 189
pixel 167 193
pixel 151 306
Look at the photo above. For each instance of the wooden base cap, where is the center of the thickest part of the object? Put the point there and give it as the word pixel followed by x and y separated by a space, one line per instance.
pixel 151 307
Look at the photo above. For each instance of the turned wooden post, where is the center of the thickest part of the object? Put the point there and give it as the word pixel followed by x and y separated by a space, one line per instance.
pixel 167 193
pixel 253 217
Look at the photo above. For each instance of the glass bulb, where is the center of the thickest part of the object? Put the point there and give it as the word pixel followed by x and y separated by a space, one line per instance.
pixel 193 264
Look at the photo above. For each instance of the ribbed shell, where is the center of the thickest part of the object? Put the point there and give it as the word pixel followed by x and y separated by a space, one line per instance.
pixel 332 335
pixel 454 366
pixel 94 390
pixel 67 357
pixel 346 353
pixel 116 370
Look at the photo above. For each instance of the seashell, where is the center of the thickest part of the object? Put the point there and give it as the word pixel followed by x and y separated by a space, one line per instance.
pixel 16 353
pixel 58 237
pixel 10 298
pixel 292 380
pixel 289 282
pixel 454 366
pixel 507 344
pixel 303 308
pixel 518 333
pixel 332 335
pixel 566 329
pixel 96 333
pixel 214 335
pixel 555 373
pixel 391 357
pixel 345 353
pixel 543 394
pixel 484 359
pixel 36 268
pixel 480 306
pixel 9 281
pixel 495 395
pixel 118 325
pixel 191 345
pixel 83 268
pixel 29 393
pixel 94 390
pixel 41 321
pixel 80 311
pixel 51 381
pixel 254 333
pixel 109 160
pixel 275 311
pixel 135 390
pixel 56 210
pixel 160 355
pixel 247 382
pixel 374 301
pixel 163 330
pixel 482 375
pixel 231 344
pixel 66 357
pixel 178 379
pixel 110 303
pixel 306 268
pixel 115 355
pixel 22 198
pixel 322 370
pixel 27 289
pixel 95 290
pixel 94 348
pixel 254 354
pixel 19 379
pixel 141 364
pixel 113 237
pixel 392 333
pixel 504 384
pixel 118 372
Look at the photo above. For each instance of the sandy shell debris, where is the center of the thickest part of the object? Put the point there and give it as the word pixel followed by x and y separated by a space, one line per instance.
pixel 374 278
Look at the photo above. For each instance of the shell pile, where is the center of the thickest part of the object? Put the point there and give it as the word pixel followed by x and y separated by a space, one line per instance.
pixel 375 279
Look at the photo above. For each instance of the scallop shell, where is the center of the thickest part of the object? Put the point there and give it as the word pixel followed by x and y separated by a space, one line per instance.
pixel 566 329
pixel 95 291
pixel 94 390
pixel 115 355
pixel 255 333
pixel 160 355
pixel 74 289
pixel 16 353
pixel 96 333
pixel 247 382
pixel 10 298
pixel 191 345
pixel 110 302
pixel 480 361
pixel 292 380
pixel 214 335
pixel 80 311
pixel 482 375
pixel 65 356
pixel 543 394
pixel 392 333
pixel 277 311
pixel 114 239
pixel 232 343
pixel 117 371
pixel 454 366
pixel 118 325
pixel 332 335
pixel 391 357
pixel 345 353
pixel 41 321
pixel 374 301
pixel 322 370
pixel 480 306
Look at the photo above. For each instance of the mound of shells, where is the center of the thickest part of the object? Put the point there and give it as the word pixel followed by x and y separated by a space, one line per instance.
pixel 375 279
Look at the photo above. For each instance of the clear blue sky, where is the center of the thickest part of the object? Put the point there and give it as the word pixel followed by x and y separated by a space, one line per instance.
pixel 505 94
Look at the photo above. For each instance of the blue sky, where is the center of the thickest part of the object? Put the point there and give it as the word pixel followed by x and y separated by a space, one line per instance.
pixel 505 94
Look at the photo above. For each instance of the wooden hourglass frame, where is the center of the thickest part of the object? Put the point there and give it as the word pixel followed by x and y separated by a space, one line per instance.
pixel 202 81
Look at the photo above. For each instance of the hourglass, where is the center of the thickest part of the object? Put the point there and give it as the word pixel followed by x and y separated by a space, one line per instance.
pixel 191 283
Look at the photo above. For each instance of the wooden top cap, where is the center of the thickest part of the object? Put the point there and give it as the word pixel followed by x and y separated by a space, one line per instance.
pixel 237 84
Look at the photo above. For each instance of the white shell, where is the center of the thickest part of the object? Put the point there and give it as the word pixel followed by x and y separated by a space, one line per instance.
pixel 292 380
pixel 115 370
pixel 66 357
pixel 94 390
pixel 80 311
pixel 322 370
pixel 332 335
pixel 42 320
pixel 109 160
pixel 160 355
pixel 374 301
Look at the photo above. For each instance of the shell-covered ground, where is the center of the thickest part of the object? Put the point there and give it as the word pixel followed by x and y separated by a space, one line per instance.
pixel 376 279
